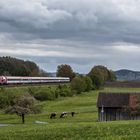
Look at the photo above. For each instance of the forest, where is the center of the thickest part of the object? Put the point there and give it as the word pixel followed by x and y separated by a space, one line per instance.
pixel 10 66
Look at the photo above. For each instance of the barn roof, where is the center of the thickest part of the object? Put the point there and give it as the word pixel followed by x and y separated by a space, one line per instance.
pixel 113 99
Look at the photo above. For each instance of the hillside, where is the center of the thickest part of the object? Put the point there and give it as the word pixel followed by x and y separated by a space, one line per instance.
pixel 127 75
pixel 82 126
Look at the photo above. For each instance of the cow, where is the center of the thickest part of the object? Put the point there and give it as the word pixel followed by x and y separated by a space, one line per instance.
pixel 53 115
pixel 63 115
pixel 72 114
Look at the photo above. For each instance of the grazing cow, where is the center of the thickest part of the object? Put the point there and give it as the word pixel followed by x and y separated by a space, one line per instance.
pixel 53 115
pixel 72 114
pixel 63 115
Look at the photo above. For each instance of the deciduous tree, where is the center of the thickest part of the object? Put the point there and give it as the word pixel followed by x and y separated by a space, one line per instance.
pixel 23 105
pixel 65 71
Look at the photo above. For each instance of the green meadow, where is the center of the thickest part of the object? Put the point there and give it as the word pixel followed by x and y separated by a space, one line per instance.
pixel 83 126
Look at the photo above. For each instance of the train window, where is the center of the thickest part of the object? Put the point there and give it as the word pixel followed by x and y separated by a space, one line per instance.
pixel 12 79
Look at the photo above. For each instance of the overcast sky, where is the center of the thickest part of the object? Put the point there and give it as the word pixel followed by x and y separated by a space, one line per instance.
pixel 82 33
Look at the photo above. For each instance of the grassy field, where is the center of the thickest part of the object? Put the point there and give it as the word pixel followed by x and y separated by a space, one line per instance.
pixel 83 126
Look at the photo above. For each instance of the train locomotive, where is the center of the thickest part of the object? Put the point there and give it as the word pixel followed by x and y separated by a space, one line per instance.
pixel 11 80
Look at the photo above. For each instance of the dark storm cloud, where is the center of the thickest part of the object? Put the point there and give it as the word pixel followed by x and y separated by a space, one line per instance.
pixel 82 33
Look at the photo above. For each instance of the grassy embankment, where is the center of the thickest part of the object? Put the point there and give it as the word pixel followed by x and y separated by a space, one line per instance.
pixel 83 126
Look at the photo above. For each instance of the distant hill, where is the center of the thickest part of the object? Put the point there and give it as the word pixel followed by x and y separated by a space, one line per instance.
pixel 127 75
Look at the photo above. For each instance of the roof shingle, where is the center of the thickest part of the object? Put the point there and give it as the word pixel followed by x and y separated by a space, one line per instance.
pixel 113 99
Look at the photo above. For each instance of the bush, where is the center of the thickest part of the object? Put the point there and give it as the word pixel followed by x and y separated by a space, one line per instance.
pixel 64 90
pixel 32 90
pixel 43 94
pixel 88 82
pixel 6 98
pixel 78 84
pixel 50 93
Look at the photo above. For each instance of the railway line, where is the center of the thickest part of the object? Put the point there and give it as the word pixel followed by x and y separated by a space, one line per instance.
pixel 28 85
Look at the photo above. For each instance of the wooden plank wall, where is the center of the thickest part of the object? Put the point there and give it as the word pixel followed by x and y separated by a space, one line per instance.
pixel 111 114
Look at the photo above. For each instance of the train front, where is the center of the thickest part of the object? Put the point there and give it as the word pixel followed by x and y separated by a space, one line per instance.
pixel 3 80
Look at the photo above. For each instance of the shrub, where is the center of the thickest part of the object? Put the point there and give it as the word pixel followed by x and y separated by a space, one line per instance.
pixel 43 95
pixel 6 98
pixel 32 90
pixel 78 84
pixel 64 90
pixel 88 82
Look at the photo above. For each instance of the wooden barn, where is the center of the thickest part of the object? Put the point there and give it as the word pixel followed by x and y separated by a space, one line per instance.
pixel 118 106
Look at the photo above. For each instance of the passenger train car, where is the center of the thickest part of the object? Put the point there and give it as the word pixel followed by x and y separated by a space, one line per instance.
pixel 31 80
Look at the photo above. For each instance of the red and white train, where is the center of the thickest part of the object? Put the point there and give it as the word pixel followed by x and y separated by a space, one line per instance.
pixel 7 80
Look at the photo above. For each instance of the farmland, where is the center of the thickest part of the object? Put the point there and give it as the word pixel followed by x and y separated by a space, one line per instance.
pixel 122 84
pixel 83 126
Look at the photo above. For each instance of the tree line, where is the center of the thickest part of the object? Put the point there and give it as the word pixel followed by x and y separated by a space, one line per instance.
pixel 95 79
pixel 98 75
pixel 10 66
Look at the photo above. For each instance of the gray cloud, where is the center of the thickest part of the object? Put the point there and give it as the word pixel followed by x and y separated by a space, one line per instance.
pixel 82 33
